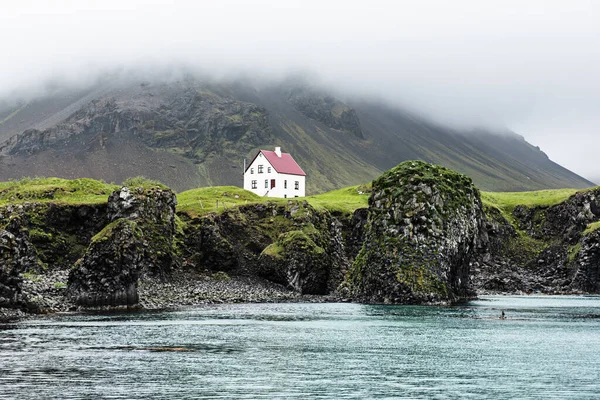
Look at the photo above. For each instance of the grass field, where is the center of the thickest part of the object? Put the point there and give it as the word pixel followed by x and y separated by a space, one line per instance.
pixel 507 201
pixel 345 200
pixel 55 190
pixel 217 198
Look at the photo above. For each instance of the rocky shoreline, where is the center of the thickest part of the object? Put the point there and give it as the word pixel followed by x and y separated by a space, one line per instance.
pixel 47 294
pixel 425 238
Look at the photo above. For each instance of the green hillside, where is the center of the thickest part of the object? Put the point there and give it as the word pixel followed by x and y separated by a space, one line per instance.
pixel 191 134
pixel 205 200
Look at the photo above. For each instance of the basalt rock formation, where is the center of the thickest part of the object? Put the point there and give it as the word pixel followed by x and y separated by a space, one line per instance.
pixel 425 225
pixel 292 244
pixel 108 273
pixel 17 255
pixel 550 249
pixel 139 239
pixel 425 238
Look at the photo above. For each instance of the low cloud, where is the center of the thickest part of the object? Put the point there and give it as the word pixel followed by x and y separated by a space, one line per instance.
pixel 527 66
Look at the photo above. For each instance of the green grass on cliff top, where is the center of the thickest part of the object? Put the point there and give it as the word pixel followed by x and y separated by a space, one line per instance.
pixel 214 199
pixel 344 201
pixel 594 226
pixel 201 201
pixel 204 200
pixel 55 190
pixel 507 201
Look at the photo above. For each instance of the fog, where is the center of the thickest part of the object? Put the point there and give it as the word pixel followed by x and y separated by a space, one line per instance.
pixel 532 67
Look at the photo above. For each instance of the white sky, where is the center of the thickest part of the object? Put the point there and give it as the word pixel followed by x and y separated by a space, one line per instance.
pixel 531 66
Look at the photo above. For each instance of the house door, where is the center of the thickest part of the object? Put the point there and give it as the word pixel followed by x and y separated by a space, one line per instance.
pixel 272 183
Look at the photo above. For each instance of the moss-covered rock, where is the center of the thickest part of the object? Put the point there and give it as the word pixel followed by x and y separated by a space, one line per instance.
pixel 108 273
pixel 59 233
pixel 292 244
pixel 544 248
pixel 140 239
pixel 424 226
pixel 153 209
pixel 17 255
pixel 296 260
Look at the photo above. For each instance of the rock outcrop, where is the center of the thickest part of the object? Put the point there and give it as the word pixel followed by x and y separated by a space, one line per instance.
pixel 17 255
pixel 424 227
pixel 547 250
pixel 587 264
pixel 293 244
pixel 108 273
pixel 326 109
pixel 424 239
pixel 139 239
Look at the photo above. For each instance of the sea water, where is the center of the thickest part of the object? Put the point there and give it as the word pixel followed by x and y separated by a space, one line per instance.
pixel 546 347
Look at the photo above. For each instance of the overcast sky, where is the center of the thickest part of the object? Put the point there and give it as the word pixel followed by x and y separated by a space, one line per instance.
pixel 530 66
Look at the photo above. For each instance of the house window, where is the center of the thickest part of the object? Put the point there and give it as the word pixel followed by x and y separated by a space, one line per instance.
pixel 251 170
pixel 285 196
pixel 253 184
pixel 297 185
pixel 260 169
pixel 269 170
pixel 266 183
pixel 285 184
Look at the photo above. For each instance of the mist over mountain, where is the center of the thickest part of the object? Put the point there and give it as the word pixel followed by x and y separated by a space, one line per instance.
pixel 189 130
pixel 528 67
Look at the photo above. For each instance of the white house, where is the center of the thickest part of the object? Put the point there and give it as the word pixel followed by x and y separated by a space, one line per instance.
pixel 275 174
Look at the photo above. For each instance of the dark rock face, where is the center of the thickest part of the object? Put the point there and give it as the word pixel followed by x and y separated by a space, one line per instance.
pixel 296 260
pixel 58 234
pixel 425 225
pixel 565 221
pixel 549 254
pixel 17 255
pixel 293 245
pixel 325 109
pixel 107 274
pixel 153 209
pixel 355 232
pixel 587 261
pixel 140 239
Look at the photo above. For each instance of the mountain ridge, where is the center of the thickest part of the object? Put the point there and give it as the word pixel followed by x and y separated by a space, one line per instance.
pixel 193 133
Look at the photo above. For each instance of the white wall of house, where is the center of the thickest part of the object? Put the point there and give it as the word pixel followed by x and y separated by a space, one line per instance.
pixel 260 180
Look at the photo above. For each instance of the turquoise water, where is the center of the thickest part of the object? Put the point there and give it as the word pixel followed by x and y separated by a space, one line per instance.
pixel 548 347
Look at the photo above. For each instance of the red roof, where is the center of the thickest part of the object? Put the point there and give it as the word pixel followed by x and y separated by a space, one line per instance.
pixel 284 164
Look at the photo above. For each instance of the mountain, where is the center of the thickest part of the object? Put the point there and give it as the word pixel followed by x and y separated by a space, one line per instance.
pixel 192 133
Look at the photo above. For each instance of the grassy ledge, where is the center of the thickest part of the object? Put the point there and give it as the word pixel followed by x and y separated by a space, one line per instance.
pixel 345 201
pixel 202 201
pixel 507 201
pixel 206 200
pixel 55 190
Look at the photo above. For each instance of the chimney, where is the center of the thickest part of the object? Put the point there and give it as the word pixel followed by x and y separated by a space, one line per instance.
pixel 278 151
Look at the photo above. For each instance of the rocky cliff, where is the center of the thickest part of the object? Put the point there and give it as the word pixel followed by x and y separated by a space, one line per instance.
pixel 548 249
pixel 291 244
pixel 139 239
pixel 425 237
